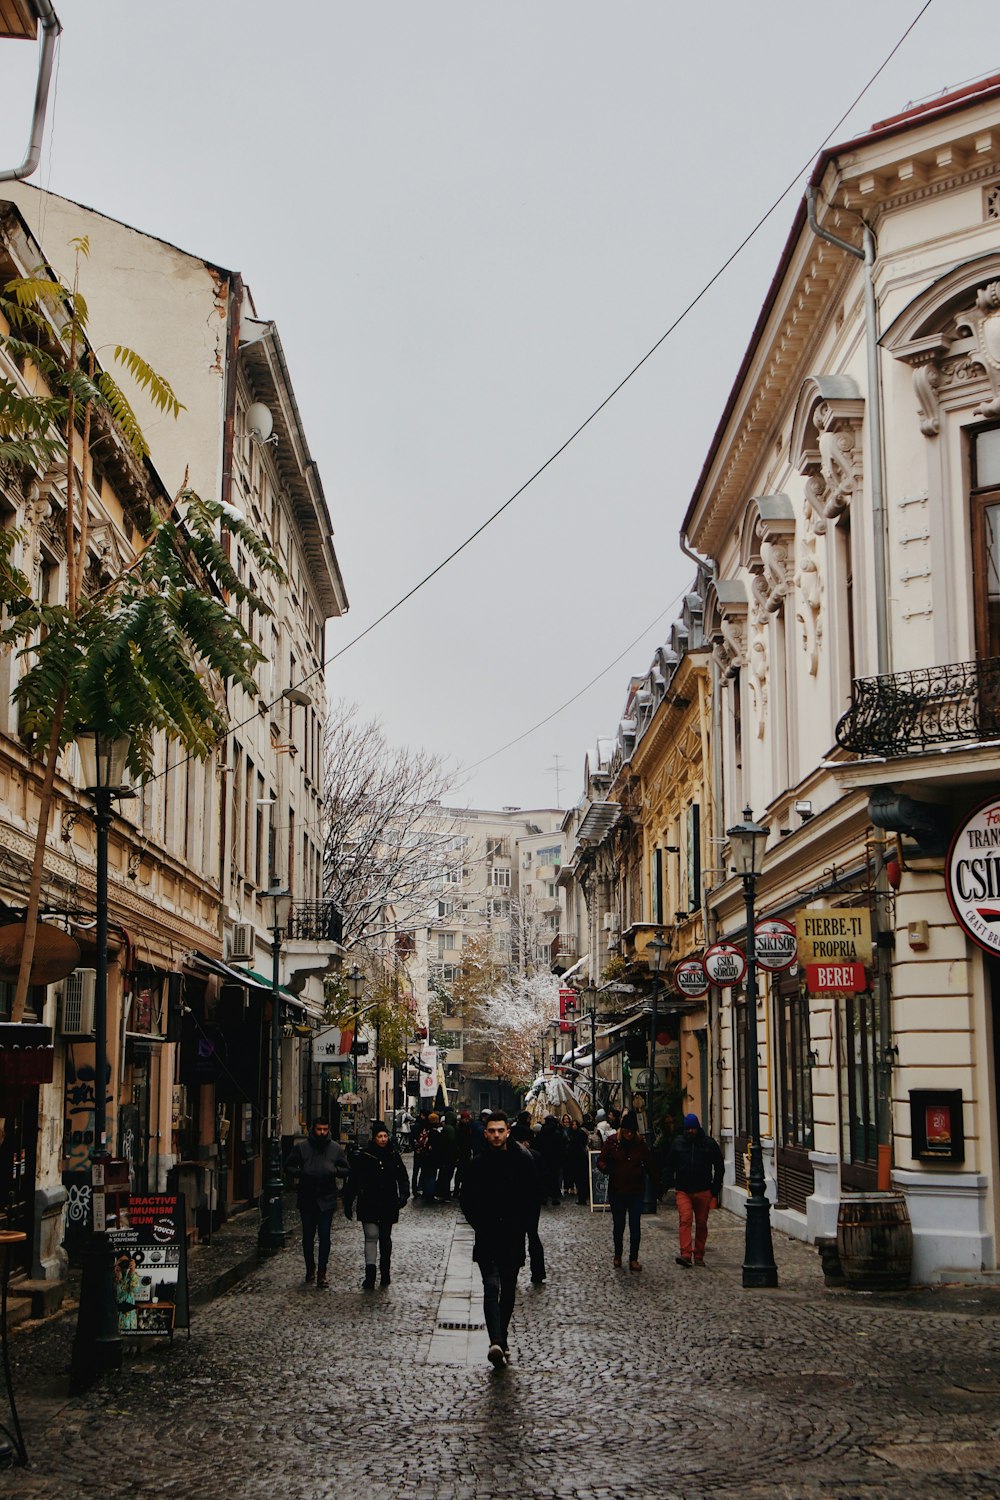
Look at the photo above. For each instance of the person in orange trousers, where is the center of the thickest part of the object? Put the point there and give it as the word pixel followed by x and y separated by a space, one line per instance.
pixel 694 1168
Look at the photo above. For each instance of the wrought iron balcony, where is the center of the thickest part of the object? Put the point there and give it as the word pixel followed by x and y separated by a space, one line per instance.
pixel 905 712
pixel 315 922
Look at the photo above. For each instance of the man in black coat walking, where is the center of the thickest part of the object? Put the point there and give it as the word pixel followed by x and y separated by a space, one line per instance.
pixel 499 1197
pixel 694 1166
pixel 318 1163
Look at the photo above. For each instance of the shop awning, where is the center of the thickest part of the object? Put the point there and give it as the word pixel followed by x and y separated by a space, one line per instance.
pixel 612 1051
pixel 636 1019
pixel 574 968
pixel 249 978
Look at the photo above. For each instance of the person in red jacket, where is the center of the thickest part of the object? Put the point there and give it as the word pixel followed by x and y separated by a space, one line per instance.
pixel 626 1158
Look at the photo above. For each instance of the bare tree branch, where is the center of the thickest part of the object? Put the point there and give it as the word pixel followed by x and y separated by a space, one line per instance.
pixel 387 839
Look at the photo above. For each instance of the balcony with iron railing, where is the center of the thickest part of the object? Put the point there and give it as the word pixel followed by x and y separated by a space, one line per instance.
pixel 315 922
pixel 903 713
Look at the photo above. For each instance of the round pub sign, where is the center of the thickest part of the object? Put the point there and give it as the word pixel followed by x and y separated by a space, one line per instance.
pixel 775 945
pixel 973 875
pixel 725 964
pixel 690 978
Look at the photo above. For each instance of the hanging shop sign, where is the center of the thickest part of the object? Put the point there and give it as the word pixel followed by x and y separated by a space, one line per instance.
pixel 567 1010
pixel 690 978
pixel 841 934
pixel 836 979
pixel 331 1045
pixel 725 964
pixel 428 1072
pixel 972 875
pixel 775 945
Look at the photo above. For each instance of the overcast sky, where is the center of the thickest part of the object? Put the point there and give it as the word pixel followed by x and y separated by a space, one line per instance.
pixel 469 220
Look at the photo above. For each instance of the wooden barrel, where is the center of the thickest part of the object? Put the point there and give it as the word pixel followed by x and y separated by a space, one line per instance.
pixel 875 1241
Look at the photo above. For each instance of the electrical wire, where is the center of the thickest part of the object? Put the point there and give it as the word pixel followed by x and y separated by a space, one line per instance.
pixel 463 770
pixel 558 452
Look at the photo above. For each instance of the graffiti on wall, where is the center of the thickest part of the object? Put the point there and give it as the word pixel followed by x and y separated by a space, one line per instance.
pixel 78 1108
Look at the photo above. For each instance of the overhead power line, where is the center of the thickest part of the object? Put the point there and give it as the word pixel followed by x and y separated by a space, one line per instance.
pixel 558 452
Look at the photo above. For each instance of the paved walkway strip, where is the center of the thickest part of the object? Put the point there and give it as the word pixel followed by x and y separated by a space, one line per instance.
pixel 459 1336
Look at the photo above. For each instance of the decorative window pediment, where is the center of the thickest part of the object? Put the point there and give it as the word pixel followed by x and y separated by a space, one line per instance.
pixel 826 444
pixel 726 608
pixel 950 338
pixel 767 549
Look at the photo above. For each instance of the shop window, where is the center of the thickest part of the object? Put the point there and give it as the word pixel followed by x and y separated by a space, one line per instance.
pixel 985 511
pixel 796 1071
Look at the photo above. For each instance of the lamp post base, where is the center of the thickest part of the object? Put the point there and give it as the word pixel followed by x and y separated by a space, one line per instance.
pixel 273 1235
pixel 649 1197
pixel 759 1269
pixel 97 1344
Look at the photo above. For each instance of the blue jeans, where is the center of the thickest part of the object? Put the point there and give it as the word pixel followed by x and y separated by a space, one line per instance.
pixel 314 1219
pixel 626 1205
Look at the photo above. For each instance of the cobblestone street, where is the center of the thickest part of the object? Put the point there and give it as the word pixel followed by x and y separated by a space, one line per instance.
pixel 669 1383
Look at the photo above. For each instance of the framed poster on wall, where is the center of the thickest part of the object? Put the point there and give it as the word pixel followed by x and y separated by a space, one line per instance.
pixel 936 1125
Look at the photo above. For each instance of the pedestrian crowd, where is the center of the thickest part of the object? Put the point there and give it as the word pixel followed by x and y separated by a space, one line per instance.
pixel 502 1176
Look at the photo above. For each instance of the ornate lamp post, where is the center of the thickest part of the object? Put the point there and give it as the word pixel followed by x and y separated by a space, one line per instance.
pixel 569 1016
pixel 746 845
pixel 97 1345
pixel 355 989
pixel 592 1013
pixel 273 1235
pixel 656 957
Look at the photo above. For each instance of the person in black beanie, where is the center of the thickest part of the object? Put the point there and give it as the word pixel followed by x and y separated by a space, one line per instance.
pixel 318 1163
pixel 626 1158
pixel 380 1187
pixel 694 1165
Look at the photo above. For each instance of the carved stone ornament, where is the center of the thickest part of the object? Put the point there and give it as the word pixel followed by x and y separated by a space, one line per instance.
pixel 949 335
pixel 767 550
pixel 926 379
pixel 983 322
pixel 758 671
pixel 809 595
pixel 826 444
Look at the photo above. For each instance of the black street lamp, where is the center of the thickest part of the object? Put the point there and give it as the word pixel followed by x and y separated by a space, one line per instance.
pixel 97 1345
pixel 592 1013
pixel 656 957
pixel 355 990
pixel 746 845
pixel 569 1014
pixel 273 1234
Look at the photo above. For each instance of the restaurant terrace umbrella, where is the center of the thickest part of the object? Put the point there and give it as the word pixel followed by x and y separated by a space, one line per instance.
pixel 549 1095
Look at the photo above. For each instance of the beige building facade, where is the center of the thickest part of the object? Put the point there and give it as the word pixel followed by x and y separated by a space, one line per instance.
pixel 847 505
pixel 249 818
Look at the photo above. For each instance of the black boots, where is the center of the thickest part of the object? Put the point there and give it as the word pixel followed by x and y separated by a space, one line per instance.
pixel 369 1278
pixel 384 1266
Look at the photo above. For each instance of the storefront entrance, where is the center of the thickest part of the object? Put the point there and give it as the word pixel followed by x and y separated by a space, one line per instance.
pixel 796 1138
pixel 18 1140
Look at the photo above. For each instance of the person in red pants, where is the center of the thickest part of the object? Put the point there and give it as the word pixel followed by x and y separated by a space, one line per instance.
pixel 694 1168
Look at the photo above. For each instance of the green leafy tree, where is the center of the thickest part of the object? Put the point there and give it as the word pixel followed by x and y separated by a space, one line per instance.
pixel 143 654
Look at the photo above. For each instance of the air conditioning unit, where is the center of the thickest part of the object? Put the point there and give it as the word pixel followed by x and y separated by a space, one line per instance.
pixel 77 1011
pixel 242 945
pixel 610 921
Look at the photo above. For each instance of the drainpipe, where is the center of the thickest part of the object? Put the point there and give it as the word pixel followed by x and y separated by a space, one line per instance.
pixel 709 835
pixel 883 934
pixel 50 31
